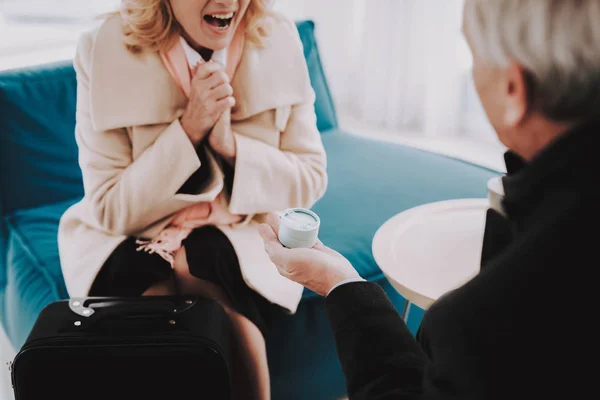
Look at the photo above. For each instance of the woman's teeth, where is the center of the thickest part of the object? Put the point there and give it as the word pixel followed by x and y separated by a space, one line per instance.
pixel 219 21
pixel 223 16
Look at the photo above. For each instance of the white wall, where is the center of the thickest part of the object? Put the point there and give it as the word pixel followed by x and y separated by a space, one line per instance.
pixel 340 31
pixel 6 354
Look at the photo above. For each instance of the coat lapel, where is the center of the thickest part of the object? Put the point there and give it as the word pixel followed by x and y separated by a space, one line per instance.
pixel 136 89
pixel 129 89
pixel 262 81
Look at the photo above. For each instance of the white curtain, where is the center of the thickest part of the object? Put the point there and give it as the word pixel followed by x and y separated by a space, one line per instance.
pixel 392 89
pixel 397 64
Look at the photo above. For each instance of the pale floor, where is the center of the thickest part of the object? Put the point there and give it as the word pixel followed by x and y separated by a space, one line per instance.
pixel 6 354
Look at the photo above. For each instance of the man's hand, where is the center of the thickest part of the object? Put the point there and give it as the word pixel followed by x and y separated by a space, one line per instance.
pixel 318 269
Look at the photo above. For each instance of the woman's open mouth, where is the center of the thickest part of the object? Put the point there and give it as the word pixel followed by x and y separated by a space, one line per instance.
pixel 219 21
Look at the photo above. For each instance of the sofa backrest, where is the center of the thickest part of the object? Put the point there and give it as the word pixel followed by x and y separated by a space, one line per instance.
pixel 324 105
pixel 38 153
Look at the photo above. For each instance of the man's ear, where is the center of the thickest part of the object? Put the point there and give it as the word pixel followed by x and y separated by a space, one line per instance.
pixel 516 95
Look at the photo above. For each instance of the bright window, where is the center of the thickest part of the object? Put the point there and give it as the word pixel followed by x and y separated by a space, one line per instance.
pixel 38 31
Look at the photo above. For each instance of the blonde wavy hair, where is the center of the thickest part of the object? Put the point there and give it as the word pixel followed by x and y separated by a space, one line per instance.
pixel 151 25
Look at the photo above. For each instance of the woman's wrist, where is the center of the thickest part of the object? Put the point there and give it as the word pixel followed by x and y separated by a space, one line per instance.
pixel 222 140
pixel 195 135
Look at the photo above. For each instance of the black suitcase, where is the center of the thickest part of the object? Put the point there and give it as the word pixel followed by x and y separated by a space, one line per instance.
pixel 126 348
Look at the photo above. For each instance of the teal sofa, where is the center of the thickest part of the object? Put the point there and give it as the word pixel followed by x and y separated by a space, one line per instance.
pixel 370 181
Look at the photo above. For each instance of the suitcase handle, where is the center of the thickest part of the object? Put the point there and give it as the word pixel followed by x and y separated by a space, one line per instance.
pixel 133 306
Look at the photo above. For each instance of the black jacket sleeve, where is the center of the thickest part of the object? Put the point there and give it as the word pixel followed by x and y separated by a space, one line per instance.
pixel 379 355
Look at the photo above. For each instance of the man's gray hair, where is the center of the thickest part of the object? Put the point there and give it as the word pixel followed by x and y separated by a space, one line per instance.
pixel 557 42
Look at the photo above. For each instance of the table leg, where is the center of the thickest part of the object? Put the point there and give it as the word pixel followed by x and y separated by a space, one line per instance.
pixel 406 310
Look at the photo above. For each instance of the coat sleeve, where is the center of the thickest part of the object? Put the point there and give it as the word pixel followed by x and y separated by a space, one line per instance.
pixel 124 194
pixel 292 174
pixel 380 358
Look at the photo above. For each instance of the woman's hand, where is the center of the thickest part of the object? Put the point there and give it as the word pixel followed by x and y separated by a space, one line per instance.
pixel 221 138
pixel 210 97
pixel 318 269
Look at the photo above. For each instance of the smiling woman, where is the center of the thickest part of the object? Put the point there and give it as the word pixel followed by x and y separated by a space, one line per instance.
pixel 210 24
pixel 202 123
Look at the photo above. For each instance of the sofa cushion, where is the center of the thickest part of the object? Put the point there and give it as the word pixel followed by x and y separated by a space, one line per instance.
pixel 370 181
pixel 34 277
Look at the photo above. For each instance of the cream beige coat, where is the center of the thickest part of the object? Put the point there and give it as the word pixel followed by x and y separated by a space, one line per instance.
pixel 134 154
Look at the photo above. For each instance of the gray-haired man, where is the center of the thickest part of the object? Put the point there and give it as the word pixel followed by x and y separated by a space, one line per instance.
pixel 521 329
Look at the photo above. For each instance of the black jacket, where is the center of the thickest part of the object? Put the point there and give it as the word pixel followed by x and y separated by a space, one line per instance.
pixel 524 328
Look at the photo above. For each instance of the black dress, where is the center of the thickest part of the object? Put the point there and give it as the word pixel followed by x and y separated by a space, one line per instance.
pixel 211 257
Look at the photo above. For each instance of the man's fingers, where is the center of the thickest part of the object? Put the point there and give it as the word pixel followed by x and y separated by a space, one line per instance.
pixel 321 247
pixel 267 233
pixel 278 254
pixel 272 245
pixel 273 221
pixel 276 251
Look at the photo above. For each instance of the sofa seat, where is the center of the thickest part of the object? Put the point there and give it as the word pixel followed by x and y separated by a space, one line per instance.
pixel 370 181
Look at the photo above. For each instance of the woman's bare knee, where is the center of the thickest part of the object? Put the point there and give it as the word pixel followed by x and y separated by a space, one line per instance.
pixel 164 288
pixel 190 285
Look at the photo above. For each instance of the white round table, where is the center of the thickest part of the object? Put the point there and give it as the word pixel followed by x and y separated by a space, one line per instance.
pixel 432 249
